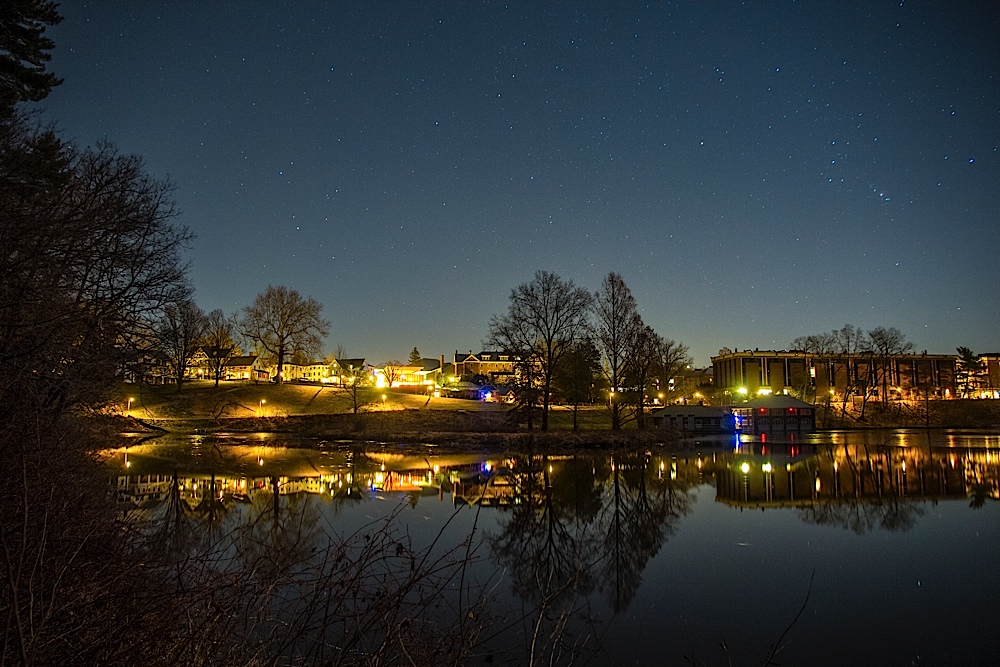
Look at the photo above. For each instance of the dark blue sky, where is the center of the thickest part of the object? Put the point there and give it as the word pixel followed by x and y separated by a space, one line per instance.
pixel 755 171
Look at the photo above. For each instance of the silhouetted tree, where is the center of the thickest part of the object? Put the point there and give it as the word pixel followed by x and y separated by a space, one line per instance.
pixel 218 343
pixel 643 354
pixel 545 318
pixel 576 375
pixel 24 51
pixel 282 322
pixel 671 358
pixel 883 346
pixel 969 370
pixel 614 320
pixel 391 371
pixel 180 331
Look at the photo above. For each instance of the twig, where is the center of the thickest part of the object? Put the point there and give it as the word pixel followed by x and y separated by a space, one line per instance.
pixel 777 646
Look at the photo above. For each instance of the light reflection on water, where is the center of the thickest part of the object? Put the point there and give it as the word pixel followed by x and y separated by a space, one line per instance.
pixel 891 539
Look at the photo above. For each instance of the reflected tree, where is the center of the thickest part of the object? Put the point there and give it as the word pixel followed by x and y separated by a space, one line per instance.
pixel 641 511
pixel 549 547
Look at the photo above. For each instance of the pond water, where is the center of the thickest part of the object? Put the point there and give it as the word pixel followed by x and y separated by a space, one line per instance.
pixel 841 548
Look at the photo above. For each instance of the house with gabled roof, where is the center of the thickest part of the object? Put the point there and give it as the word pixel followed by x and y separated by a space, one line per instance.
pixel 498 366
pixel 246 367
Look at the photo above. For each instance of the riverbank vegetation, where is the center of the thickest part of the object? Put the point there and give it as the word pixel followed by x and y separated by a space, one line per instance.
pixel 327 412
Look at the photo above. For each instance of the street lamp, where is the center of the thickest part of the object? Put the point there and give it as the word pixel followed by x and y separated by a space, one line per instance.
pixel 129 408
pixel 260 409
pixel 383 401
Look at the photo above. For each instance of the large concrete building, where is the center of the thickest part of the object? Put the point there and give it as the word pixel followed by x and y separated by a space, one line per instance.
pixel 813 376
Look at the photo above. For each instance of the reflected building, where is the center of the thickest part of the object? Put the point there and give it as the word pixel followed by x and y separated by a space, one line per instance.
pixel 791 476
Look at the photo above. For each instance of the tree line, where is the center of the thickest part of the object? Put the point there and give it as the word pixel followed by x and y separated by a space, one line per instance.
pixel 567 339
pixel 280 323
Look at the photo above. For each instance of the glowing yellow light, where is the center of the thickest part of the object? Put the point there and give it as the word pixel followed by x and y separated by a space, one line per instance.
pixel 437 468
pixel 819 485
pixel 745 467
pixel 488 466
pixel 766 467
pixel 742 390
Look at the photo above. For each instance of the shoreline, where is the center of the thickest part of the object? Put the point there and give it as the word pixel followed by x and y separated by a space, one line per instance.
pixel 455 430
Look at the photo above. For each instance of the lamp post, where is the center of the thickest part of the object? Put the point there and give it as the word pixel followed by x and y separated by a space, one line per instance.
pixel 260 409
pixel 383 401
pixel 129 408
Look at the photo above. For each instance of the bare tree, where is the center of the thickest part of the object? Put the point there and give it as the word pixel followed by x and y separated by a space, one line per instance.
pixel 818 344
pixel 643 355
pixel 614 319
pixel 218 342
pixel 884 345
pixel 282 322
pixel 391 371
pixel 90 258
pixel 671 358
pixel 821 346
pixel 848 342
pixel 180 332
pixel 545 318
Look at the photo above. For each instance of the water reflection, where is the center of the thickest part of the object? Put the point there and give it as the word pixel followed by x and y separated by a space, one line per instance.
pixel 572 534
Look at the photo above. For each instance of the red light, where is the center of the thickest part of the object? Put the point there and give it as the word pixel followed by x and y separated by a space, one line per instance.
pixel 763 411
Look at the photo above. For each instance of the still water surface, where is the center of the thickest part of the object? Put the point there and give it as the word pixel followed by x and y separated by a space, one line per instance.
pixel 843 548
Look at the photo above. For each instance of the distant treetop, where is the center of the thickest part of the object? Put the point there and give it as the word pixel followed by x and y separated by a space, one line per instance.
pixel 24 51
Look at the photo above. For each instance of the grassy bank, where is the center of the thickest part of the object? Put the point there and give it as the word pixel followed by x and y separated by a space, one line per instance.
pixel 328 412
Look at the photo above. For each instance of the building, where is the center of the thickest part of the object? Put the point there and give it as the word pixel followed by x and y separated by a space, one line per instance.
pixel 245 368
pixel 695 419
pixel 499 367
pixel 907 376
pixel 989 376
pixel 346 372
pixel 775 414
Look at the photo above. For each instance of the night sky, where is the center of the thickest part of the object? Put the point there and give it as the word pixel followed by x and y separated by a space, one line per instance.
pixel 755 171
